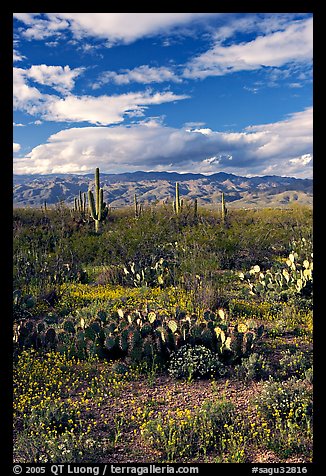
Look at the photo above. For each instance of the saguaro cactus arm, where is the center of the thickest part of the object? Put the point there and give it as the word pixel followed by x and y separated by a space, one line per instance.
pixel 91 203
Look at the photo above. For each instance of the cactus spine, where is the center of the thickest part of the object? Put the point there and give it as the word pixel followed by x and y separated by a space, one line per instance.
pixel 223 209
pixel 97 207
pixel 177 204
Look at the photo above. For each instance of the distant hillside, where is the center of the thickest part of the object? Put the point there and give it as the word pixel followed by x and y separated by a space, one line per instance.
pixel 119 189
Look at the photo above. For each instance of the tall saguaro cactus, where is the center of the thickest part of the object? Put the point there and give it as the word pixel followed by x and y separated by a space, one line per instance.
pixel 138 207
pixel 97 206
pixel 177 204
pixel 196 210
pixel 223 209
pixel 84 202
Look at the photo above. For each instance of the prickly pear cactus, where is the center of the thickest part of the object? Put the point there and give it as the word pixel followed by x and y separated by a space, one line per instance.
pixel 294 276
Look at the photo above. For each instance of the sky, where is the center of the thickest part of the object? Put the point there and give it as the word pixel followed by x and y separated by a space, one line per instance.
pixel 181 92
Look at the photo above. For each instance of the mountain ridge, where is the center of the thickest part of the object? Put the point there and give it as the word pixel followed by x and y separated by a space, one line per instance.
pixel 119 189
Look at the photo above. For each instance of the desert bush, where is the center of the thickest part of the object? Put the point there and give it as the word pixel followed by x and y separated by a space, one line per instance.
pixel 294 364
pixel 290 399
pixel 195 362
pixel 184 433
pixel 254 367
pixel 251 237
pixel 309 375
pixel 286 410
pixel 50 425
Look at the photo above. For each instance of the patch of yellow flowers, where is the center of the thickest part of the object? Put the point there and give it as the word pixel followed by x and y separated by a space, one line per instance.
pixel 55 403
pixel 114 297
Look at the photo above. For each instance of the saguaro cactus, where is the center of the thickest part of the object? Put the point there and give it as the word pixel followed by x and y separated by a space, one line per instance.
pixel 97 207
pixel 177 204
pixel 138 207
pixel 84 202
pixel 223 209
pixel 44 207
pixel 80 203
pixel 195 210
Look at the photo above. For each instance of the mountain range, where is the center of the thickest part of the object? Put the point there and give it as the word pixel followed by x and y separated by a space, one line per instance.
pixel 119 189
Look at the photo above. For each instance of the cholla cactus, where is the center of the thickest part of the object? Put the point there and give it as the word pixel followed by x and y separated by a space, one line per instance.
pixel 97 207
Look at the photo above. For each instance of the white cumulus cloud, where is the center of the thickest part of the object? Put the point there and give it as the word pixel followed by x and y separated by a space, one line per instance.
pixel 16 147
pixel 142 74
pixel 103 109
pixel 60 78
pixel 113 27
pixel 292 44
pixel 17 56
pixel 281 148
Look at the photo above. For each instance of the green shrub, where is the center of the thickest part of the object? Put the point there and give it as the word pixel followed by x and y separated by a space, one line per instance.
pixel 195 362
pixel 294 364
pixel 185 433
pixel 119 368
pixel 285 409
pixel 309 375
pixel 288 400
pixel 255 367
pixel 253 236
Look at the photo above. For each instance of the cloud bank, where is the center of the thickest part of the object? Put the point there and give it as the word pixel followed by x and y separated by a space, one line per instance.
pixel 281 148
pixel 113 27
pixel 279 44
pixel 100 110
pixel 292 44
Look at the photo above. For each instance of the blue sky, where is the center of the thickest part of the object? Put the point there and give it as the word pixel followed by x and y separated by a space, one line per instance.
pixel 184 92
